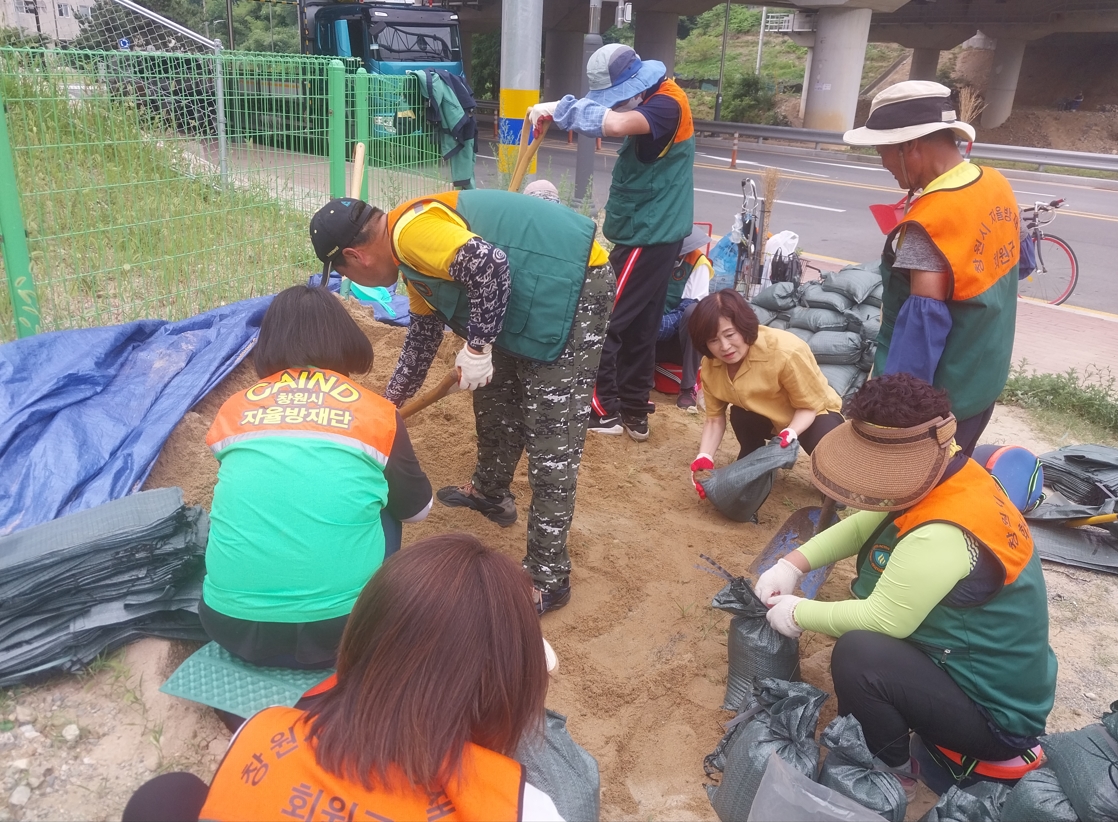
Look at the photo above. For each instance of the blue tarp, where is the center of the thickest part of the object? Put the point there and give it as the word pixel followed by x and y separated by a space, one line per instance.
pixel 84 414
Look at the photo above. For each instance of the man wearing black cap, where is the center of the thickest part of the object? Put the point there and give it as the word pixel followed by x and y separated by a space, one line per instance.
pixel 523 282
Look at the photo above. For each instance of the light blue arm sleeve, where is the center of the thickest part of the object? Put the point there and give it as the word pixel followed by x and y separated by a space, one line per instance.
pixel 584 116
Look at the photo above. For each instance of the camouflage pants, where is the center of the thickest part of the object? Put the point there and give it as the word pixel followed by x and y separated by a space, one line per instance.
pixel 544 408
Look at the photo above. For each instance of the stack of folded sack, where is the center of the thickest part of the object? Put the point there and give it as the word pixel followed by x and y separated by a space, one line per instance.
pixel 90 582
pixel 839 317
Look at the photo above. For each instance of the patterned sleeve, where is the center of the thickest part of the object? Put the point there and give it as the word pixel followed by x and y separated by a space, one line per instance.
pixel 425 334
pixel 484 270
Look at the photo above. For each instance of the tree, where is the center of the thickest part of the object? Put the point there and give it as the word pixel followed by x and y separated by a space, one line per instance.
pixel 748 99
pixel 486 74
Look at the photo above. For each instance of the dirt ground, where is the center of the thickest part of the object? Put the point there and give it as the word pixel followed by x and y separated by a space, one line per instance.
pixel 642 655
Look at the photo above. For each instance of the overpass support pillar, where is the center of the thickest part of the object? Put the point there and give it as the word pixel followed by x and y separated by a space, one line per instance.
pixel 841 36
pixel 655 36
pixel 925 64
pixel 1002 83
pixel 521 48
pixel 562 64
pixel 807 80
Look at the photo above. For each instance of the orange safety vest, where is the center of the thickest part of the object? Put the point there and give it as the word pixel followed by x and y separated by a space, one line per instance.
pixel 308 402
pixel 973 501
pixel 270 773
pixel 686 128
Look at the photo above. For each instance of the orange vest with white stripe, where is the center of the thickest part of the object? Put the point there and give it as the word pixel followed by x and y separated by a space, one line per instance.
pixel 308 402
pixel 270 773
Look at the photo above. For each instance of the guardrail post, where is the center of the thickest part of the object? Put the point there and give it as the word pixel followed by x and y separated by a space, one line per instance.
pixel 219 102
pixel 335 126
pixel 13 240
pixel 734 152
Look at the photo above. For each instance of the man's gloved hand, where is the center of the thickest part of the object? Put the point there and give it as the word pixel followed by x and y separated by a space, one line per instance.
pixel 474 370
pixel 782 578
pixel 703 462
pixel 781 615
pixel 539 113
pixel 787 437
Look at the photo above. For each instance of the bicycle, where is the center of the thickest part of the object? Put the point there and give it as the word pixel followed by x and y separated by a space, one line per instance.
pixel 1056 268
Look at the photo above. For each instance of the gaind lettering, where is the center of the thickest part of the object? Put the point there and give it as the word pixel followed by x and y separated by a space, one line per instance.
pixel 346 393
pixel 324 383
pixel 259 391
pixel 285 380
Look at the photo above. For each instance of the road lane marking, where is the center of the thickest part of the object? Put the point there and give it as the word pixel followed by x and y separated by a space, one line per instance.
pixel 1034 193
pixel 845 165
pixel 779 202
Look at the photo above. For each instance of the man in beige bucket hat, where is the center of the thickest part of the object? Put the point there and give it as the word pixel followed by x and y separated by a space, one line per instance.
pixel 950 263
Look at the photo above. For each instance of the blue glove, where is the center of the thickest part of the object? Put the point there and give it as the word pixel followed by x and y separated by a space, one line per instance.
pixel 584 116
pixel 919 337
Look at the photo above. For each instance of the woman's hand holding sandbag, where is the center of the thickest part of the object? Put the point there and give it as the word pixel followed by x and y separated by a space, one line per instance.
pixel 782 578
pixel 703 462
pixel 781 615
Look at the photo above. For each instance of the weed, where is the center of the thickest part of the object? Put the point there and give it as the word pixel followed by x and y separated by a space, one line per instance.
pixel 684 610
pixel 1091 396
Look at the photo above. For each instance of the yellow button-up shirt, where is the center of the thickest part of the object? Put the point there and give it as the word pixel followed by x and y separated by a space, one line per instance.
pixel 778 376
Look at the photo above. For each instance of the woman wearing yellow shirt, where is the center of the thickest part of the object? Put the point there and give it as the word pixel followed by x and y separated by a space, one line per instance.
pixel 523 282
pixel 768 378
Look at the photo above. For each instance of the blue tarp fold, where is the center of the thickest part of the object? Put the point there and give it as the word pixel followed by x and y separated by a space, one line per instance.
pixel 84 413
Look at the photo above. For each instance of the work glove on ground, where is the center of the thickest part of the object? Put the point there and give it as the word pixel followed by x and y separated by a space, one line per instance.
pixel 781 615
pixel 474 370
pixel 703 462
pixel 540 113
pixel 782 578
pixel 787 437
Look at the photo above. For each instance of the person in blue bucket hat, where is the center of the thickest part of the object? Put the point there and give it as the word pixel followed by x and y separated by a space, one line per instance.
pixel 648 214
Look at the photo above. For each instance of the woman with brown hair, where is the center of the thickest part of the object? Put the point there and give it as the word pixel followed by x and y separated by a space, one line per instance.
pixel 768 378
pixel 441 673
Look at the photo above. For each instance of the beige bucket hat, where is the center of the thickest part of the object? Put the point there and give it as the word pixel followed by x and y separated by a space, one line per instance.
pixel 906 111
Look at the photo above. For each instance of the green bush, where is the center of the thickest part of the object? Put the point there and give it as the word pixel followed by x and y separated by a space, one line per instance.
pixel 1092 396
pixel 750 99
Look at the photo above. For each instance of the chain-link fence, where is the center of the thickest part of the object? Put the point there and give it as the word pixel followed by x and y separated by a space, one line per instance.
pixel 153 184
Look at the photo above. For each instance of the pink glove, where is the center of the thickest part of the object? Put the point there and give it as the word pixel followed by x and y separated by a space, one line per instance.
pixel 781 615
pixel 703 462
pixel 787 437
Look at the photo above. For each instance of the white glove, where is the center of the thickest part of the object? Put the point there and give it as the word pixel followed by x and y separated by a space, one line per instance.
pixel 474 370
pixel 787 437
pixel 541 111
pixel 781 616
pixel 782 578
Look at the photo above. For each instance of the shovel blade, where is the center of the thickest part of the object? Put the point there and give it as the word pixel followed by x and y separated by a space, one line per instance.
pixel 796 530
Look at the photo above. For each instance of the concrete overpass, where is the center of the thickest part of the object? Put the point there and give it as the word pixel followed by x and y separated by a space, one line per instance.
pixel 835 31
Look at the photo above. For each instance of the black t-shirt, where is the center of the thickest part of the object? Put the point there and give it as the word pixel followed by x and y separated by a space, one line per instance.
pixel 663 115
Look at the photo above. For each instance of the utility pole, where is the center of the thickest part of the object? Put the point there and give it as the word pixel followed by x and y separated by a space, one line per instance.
pixel 229 22
pixel 761 39
pixel 722 65
pixel 584 158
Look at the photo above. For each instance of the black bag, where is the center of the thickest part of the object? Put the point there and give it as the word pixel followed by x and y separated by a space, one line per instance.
pixel 978 803
pixel 777 297
pixel 849 770
pixel 786 269
pixel 1086 764
pixel 1038 797
pixel 562 769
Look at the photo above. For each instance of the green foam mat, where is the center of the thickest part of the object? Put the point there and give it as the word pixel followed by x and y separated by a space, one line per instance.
pixel 214 677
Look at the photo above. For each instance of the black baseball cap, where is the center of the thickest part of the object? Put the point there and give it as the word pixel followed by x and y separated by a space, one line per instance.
pixel 335 226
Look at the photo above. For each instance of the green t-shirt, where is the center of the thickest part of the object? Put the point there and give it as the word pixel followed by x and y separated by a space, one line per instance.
pixel 295 529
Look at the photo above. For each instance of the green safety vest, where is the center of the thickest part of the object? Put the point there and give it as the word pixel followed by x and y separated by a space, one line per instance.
pixel 548 247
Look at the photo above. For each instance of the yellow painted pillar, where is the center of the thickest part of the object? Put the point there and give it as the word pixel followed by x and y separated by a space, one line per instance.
pixel 521 49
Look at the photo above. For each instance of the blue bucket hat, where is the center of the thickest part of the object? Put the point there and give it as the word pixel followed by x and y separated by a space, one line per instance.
pixel 617 74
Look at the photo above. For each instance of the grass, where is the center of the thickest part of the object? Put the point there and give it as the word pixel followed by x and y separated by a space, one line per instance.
pixel 1084 405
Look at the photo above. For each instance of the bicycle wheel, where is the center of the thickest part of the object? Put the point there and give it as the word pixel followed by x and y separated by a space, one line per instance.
pixel 1057 272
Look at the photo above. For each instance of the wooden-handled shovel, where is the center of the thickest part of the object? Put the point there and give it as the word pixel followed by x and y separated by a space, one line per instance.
pixel 433 396
pixel 527 151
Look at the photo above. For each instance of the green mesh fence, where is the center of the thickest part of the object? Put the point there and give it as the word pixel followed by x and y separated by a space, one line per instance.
pixel 163 185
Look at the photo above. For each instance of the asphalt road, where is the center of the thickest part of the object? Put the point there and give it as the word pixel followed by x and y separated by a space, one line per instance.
pixel 826 202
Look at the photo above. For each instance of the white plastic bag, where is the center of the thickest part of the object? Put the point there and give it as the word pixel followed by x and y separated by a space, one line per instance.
pixel 786 242
pixel 785 793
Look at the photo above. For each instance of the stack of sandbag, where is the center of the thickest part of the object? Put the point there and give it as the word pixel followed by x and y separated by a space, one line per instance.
pixel 87 583
pixel 849 770
pixel 780 720
pixel 982 802
pixel 839 317
pixel 1038 797
pixel 562 769
pixel 1085 763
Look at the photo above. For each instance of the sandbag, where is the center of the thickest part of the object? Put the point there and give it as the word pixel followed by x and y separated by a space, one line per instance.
pixel 802 333
pixel 817 319
pixel 854 282
pixel 784 725
pixel 875 296
pixel 978 803
pixel 837 347
pixel 742 487
pixel 815 296
pixel 764 315
pixel 754 649
pixel 866 361
pixel 1086 764
pixel 562 769
pixel 786 794
pixel 777 297
pixel 845 379
pixel 859 314
pixel 1038 797
pixel 871 330
pixel 779 322
pixel 849 770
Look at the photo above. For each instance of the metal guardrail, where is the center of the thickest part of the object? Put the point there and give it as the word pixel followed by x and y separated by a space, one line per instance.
pixel 1040 157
